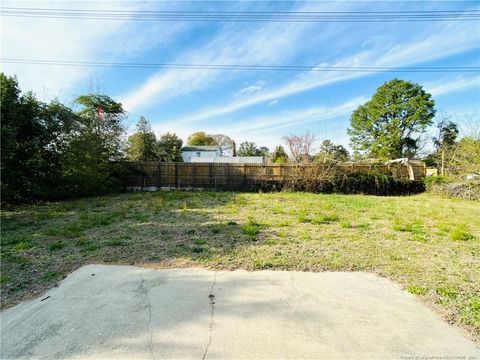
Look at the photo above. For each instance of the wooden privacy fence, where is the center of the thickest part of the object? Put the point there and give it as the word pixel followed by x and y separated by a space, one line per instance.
pixel 229 176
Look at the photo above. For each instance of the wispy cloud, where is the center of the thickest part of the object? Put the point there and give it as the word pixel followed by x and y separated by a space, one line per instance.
pixel 269 129
pixel 272 103
pixel 271 43
pixel 292 118
pixel 78 40
pixel 442 42
pixel 258 86
pixel 440 88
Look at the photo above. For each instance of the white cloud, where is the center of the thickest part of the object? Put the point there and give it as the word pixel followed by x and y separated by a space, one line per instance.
pixel 271 43
pixel 268 129
pixel 258 86
pixel 272 103
pixel 72 39
pixel 445 87
pixel 293 118
pixel 442 42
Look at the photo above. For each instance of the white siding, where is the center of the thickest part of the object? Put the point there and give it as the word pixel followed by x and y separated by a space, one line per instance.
pixel 230 159
pixel 188 156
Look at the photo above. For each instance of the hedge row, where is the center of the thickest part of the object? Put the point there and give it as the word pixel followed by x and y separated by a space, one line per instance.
pixel 362 183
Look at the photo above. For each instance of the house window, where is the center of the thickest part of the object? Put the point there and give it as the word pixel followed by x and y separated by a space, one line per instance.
pixel 198 153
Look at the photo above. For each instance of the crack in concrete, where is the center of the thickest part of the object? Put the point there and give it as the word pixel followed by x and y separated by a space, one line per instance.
pixel 288 311
pixel 211 298
pixel 145 292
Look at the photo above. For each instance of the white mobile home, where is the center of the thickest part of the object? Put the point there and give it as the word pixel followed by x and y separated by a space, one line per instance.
pixel 230 159
pixel 193 152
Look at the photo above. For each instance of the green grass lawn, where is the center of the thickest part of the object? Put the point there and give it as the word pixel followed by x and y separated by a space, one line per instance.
pixel 428 244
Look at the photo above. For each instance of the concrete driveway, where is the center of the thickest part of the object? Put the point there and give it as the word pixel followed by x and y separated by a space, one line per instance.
pixel 115 312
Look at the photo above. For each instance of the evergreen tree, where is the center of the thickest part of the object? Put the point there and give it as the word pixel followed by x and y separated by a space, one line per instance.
pixel 142 145
pixel 391 123
pixel 279 155
pixel 170 148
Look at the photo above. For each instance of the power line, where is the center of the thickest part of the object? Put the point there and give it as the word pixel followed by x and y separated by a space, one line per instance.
pixel 240 67
pixel 245 12
pixel 268 16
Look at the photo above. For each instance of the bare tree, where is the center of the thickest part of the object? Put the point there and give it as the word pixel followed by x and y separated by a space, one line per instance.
pixel 300 146
pixel 463 158
pixel 225 142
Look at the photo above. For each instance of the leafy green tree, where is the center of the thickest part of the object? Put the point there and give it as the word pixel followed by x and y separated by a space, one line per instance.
pixel 464 156
pixel 279 155
pixel 249 148
pixel 200 138
pixel 444 143
pixel 94 152
pixel 32 136
pixel 391 123
pixel 170 148
pixel 142 145
pixel 330 151
pixel 263 151
pixel 447 134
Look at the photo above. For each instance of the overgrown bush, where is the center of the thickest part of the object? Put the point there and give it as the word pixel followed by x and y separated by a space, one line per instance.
pixel 362 183
pixel 432 181
pixel 50 151
pixel 462 189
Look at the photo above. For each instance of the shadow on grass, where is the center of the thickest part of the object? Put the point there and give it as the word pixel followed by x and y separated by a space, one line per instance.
pixel 41 244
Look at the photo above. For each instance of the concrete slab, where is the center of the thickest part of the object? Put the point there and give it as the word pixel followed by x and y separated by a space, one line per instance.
pixel 117 312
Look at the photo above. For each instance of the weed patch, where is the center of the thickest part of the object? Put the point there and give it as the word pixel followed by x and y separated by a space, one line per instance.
pixel 12 239
pixel 117 242
pixel 461 233
pixel 417 290
pixel 24 245
pixel 318 219
pixel 447 293
pixel 415 227
pixel 51 276
pixel 251 229
pixel 56 246
pixel 5 279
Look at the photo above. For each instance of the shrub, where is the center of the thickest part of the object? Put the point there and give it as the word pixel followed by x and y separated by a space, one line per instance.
pixel 378 184
pixel 361 183
pixel 431 181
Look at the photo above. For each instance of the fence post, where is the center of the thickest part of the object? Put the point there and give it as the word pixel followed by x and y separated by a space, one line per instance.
pixel 193 175
pixel 210 171
pixel 228 175
pixel 176 175
pixel 245 175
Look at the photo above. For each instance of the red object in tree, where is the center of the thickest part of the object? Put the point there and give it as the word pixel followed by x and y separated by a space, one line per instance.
pixel 100 112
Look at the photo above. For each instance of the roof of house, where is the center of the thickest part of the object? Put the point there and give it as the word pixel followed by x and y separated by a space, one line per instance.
pixel 229 159
pixel 200 148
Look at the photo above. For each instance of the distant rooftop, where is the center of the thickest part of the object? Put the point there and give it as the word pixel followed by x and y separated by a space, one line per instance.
pixel 200 148
pixel 229 159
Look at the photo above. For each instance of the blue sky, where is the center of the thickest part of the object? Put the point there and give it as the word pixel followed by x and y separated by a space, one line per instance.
pixel 260 106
